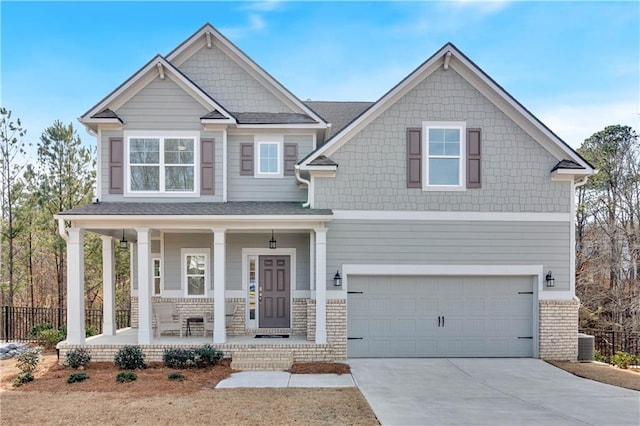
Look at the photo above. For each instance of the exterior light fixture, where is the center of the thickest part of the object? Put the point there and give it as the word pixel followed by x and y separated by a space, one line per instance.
pixel 124 244
pixel 337 279
pixel 272 241
pixel 550 280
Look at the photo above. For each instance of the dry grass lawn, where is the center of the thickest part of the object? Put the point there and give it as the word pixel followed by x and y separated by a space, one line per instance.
pixel 608 374
pixel 153 399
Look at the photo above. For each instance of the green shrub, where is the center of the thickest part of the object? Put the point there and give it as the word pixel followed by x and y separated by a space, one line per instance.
pixel 89 331
pixel 36 329
pixel 77 377
pixel 77 358
pixel 23 378
pixel 49 338
pixel 63 331
pixel 176 377
pixel 597 356
pixel 28 360
pixel 126 376
pixel 208 356
pixel 623 359
pixel 193 357
pixel 130 358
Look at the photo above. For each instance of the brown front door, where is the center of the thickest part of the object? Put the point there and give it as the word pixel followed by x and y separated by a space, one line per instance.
pixel 274 292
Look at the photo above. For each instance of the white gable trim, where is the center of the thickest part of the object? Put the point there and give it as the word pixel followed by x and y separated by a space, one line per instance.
pixel 142 78
pixel 478 79
pixel 199 40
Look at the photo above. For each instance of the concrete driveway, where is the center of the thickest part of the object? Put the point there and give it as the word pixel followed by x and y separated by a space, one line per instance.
pixel 488 392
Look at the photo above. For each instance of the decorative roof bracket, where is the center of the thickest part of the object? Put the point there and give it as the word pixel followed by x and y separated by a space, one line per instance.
pixel 447 58
pixel 208 39
pixel 160 70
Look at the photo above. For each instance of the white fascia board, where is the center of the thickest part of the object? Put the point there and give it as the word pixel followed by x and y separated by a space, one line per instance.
pixel 210 122
pixel 198 221
pixel 514 110
pixel 570 174
pixel 99 121
pixel 196 42
pixel 322 171
pixel 450 216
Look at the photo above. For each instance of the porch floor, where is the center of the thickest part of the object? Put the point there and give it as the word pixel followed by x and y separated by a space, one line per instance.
pixel 129 336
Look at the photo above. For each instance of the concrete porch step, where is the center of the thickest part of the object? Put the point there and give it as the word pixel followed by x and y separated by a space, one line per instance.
pixel 273 360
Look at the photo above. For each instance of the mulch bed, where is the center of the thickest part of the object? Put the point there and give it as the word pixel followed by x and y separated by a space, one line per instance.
pixel 608 374
pixel 320 368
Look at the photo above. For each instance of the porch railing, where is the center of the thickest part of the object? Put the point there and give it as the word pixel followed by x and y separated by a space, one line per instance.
pixel 608 342
pixel 17 322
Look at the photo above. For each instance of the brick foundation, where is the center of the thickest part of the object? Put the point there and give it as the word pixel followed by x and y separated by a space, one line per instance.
pixel 559 329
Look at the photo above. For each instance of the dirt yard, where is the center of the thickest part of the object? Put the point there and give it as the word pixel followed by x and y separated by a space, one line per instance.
pixel 629 379
pixel 153 399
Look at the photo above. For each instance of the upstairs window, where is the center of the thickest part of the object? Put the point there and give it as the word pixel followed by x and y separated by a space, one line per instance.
pixel 162 164
pixel 444 162
pixel 269 158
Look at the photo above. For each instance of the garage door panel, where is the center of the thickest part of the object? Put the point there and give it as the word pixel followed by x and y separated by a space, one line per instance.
pixel 399 316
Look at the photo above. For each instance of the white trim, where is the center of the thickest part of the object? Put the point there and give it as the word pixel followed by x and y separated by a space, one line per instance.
pixel 261 140
pixel 162 136
pixel 461 157
pixel 199 222
pixel 246 252
pixel 224 165
pixel 450 216
pixel 476 78
pixel 99 163
pixel 141 79
pixel 184 252
pixel 572 243
pixel 281 126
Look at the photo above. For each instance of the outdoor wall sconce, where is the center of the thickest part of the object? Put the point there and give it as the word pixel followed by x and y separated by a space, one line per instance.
pixel 124 244
pixel 337 279
pixel 551 282
pixel 272 241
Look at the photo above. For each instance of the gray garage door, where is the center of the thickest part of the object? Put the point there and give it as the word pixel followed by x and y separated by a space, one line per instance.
pixel 392 316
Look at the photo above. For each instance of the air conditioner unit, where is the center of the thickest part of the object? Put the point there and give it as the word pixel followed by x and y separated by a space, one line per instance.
pixel 586 346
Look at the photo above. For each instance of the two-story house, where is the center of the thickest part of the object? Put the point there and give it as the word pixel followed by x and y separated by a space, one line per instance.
pixel 435 222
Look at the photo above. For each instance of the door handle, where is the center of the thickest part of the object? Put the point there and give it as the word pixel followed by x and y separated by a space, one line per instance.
pixel 443 320
pixel 438 320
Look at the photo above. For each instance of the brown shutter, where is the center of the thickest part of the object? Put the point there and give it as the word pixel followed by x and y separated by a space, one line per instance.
pixel 246 159
pixel 207 167
pixel 116 171
pixel 474 167
pixel 414 157
pixel 290 158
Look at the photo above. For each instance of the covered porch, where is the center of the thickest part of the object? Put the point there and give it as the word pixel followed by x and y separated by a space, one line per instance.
pixel 228 240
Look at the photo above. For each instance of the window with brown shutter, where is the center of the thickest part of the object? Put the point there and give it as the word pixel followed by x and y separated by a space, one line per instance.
pixel 474 165
pixel 290 158
pixel 116 170
pixel 207 167
pixel 414 157
pixel 246 159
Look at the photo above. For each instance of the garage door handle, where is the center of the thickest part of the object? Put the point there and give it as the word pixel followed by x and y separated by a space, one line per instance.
pixel 439 320
pixel 443 320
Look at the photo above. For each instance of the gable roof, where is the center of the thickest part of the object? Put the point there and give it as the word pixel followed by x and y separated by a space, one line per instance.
pixel 339 114
pixel 450 56
pixel 158 66
pixel 207 32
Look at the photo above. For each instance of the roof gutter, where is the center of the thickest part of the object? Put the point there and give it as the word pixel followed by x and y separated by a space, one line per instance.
pixel 62 230
pixel 308 183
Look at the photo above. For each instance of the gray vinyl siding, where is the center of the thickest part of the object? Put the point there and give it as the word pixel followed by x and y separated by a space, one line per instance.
pixel 173 243
pixel 104 178
pixel 162 105
pixel 229 84
pixel 450 243
pixel 250 188
pixel 236 242
pixel 372 173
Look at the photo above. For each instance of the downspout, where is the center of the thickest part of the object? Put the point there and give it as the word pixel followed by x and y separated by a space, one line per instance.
pixel 308 183
pixel 577 184
pixel 62 231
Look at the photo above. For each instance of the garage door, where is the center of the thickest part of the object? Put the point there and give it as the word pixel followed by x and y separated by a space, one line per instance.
pixel 392 316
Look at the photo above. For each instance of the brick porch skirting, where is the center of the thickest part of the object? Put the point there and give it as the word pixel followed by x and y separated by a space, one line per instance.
pixel 559 329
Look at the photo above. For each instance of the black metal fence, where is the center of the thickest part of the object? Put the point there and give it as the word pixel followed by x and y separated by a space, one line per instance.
pixel 17 322
pixel 608 342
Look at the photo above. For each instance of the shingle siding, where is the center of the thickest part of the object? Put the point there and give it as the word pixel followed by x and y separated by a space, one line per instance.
pixel 372 172
pixel 229 84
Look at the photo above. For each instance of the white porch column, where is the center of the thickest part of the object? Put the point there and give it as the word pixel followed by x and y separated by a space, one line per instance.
pixel 144 286
pixel 109 326
pixel 321 285
pixel 75 287
pixel 219 273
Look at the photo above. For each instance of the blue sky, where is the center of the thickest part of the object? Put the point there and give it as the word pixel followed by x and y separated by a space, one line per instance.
pixel 575 65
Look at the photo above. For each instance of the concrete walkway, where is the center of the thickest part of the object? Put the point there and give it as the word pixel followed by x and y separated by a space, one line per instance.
pixel 282 379
pixel 488 392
